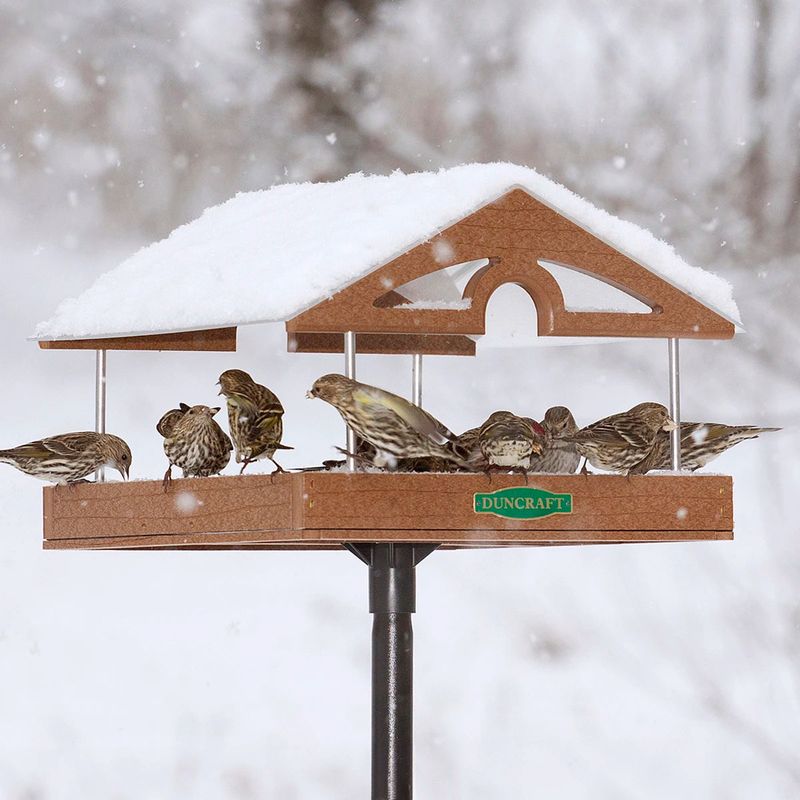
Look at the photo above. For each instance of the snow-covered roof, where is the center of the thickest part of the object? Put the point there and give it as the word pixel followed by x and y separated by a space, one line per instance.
pixel 268 255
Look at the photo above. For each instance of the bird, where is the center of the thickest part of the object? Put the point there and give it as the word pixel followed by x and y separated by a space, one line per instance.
pixel 394 426
pixel 196 444
pixel 559 457
pixel 165 425
pixel 619 442
pixel 255 416
pixel 69 457
pixel 510 442
pixel 701 442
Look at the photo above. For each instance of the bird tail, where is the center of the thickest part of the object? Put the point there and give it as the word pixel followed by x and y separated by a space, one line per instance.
pixel 283 447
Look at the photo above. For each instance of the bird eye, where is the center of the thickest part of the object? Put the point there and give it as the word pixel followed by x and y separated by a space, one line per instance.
pixel 124 457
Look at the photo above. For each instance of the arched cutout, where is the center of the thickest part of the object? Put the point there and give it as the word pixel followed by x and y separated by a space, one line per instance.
pixel 510 317
pixel 586 291
pixel 442 289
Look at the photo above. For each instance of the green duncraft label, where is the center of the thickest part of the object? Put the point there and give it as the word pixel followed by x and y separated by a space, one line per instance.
pixel 522 502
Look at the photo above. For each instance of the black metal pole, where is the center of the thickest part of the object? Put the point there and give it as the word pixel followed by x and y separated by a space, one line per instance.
pixel 392 601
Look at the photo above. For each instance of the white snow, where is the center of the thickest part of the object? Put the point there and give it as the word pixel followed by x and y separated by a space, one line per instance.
pixel 438 305
pixel 268 255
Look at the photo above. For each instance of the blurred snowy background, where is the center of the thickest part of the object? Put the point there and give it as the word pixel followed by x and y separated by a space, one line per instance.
pixel 610 672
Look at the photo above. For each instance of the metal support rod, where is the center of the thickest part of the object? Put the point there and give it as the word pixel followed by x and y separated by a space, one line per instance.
pixel 350 372
pixel 675 403
pixel 416 379
pixel 392 601
pixel 100 401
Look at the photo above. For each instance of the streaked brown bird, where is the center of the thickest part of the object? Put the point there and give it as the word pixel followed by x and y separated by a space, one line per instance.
pixel 393 425
pixel 167 423
pixel 559 457
pixel 510 442
pixel 619 442
pixel 701 442
pixel 196 444
pixel 255 416
pixel 70 457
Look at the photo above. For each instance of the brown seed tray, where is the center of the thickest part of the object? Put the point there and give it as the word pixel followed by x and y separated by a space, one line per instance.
pixel 321 511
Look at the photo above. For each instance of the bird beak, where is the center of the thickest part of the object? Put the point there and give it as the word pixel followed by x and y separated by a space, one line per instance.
pixel 309 395
pixel 215 410
pixel 537 448
pixel 669 425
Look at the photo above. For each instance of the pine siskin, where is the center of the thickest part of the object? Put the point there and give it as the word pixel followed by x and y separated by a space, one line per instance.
pixel 255 416
pixel 619 442
pixel 508 441
pixel 196 444
pixel 559 457
pixel 70 457
pixel 701 442
pixel 395 427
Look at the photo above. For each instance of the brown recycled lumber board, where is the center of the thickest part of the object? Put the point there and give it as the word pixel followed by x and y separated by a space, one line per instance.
pixel 322 510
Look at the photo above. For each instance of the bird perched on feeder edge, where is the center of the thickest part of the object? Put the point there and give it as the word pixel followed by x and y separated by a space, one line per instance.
pixel 70 457
pixel 393 425
pixel 510 442
pixel 559 457
pixel 619 442
pixel 196 444
pixel 701 442
pixel 255 416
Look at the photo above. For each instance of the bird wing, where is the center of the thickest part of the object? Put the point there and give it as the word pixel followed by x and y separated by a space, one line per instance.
pixel 618 431
pixel 65 444
pixel 414 416
pixel 257 402
pixel 167 423
pixel 68 444
pixel 263 410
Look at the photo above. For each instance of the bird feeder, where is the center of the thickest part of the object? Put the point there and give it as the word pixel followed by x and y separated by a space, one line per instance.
pixel 498 224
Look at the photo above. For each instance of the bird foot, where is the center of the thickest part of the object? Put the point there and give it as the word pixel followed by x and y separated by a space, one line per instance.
pixel 166 484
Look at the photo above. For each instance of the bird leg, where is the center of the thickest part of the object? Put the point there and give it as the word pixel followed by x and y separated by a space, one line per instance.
pixel 584 469
pixel 167 482
pixel 521 470
pixel 246 462
pixel 278 467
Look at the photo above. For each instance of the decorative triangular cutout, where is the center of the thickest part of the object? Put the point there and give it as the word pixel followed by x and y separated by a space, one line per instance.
pixel 514 233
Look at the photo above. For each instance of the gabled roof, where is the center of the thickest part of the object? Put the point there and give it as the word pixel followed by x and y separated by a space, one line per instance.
pixel 272 255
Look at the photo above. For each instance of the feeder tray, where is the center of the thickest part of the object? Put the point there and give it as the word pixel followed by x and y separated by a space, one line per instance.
pixel 319 510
